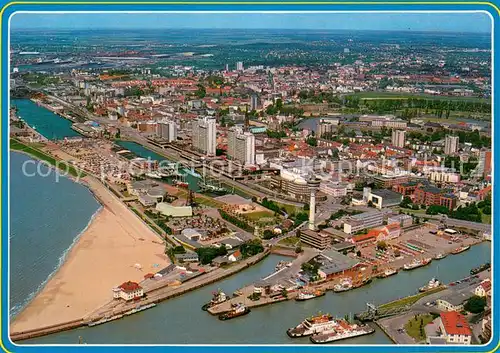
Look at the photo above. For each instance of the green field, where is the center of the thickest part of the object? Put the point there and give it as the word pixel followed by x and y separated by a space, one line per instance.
pixel 408 300
pixel 17 145
pixel 290 241
pixel 399 95
pixel 256 216
pixel 413 326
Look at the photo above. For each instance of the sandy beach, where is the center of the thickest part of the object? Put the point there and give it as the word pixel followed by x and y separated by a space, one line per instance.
pixel 103 257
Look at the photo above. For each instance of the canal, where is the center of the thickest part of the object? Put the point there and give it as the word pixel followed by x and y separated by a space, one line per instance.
pixel 181 320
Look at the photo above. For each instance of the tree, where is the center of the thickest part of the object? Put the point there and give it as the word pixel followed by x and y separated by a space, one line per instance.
pixel 382 245
pixel 358 253
pixel 268 234
pixel 298 249
pixel 475 304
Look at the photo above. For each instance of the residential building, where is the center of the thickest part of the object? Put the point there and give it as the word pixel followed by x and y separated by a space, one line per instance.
pixel 128 291
pixel 403 220
pixel 451 144
pixel 398 138
pixel 204 135
pixel 484 288
pixel 167 130
pixel 455 328
pixel 362 221
pixel 431 195
pixel 318 240
pixel 387 182
pixel 241 146
pixel 454 301
pixel 239 66
pixel 254 102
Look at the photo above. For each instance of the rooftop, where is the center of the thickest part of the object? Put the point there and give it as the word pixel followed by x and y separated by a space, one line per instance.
pixel 129 286
pixel 455 323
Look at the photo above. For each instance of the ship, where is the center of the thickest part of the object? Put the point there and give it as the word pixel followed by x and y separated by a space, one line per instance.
pixel 388 272
pixel 460 249
pixel 236 311
pixel 344 285
pixel 343 331
pixel 416 264
pixel 153 175
pixel 312 325
pixel 306 295
pixel 204 187
pixel 282 264
pixel 433 283
pixel 481 268
pixel 139 308
pixel 218 298
pixel 104 320
pixel 440 256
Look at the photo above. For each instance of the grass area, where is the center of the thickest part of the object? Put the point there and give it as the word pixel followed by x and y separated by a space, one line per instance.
pixel 256 216
pixel 486 218
pixel 408 300
pixel 290 241
pixel 399 95
pixel 17 145
pixel 415 326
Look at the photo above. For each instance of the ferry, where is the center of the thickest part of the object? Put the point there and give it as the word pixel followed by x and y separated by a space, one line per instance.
pixel 481 268
pixel 312 325
pixel 236 311
pixel 218 298
pixel 433 283
pixel 341 332
pixel 460 249
pixel 344 285
pixel 416 264
pixel 388 272
pixel 440 256
pixel 306 295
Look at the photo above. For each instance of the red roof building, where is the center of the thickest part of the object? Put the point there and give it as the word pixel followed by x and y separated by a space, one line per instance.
pixel 455 328
pixel 128 291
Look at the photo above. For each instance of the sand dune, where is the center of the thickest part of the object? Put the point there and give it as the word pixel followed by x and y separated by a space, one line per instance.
pixel 103 257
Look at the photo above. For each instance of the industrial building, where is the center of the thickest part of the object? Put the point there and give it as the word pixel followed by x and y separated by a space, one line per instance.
pixel 362 221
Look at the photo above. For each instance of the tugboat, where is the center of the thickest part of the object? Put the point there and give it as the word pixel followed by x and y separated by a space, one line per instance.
pixel 388 272
pixel 433 283
pixel 460 249
pixel 306 295
pixel 236 310
pixel 218 298
pixel 440 256
pixel 481 268
pixel 344 285
pixel 312 325
pixel 416 264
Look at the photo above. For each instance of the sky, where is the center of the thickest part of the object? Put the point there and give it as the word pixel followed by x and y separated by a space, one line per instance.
pixel 434 22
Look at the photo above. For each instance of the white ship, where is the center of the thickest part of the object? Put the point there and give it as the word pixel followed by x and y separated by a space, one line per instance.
pixel 312 325
pixel 340 332
pixel 433 283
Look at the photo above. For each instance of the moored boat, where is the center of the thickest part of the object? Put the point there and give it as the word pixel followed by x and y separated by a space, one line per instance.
pixel 312 325
pixel 388 272
pixel 344 285
pixel 416 264
pixel 481 268
pixel 460 249
pixel 433 283
pixel 306 295
pixel 440 256
pixel 219 297
pixel 343 331
pixel 236 311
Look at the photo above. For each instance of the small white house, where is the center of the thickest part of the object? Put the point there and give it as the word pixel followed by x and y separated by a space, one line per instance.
pixel 128 291
pixel 484 288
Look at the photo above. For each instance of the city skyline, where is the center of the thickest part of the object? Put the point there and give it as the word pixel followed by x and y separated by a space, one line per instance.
pixel 409 22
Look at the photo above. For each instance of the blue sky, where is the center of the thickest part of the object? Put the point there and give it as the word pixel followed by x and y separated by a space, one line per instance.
pixel 439 22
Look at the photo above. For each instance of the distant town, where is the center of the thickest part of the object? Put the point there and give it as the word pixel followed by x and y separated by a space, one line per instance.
pixel 361 160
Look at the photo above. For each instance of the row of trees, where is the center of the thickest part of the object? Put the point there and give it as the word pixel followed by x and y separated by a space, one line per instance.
pixel 236 221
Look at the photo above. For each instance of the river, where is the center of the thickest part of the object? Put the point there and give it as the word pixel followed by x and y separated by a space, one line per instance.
pixel 181 320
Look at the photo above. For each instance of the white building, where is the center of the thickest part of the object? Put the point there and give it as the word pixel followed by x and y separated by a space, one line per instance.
pixel 484 289
pixel 333 189
pixel 128 291
pixel 362 221
pixel 241 146
pixel 167 130
pixel 204 135
pixel 398 138
pixel 455 328
pixel 450 144
pixel 444 177
pixel 239 66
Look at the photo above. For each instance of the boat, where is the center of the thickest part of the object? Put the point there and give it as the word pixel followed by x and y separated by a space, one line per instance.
pixel 218 298
pixel 181 184
pixel 460 249
pixel 104 320
pixel 236 311
pixel 416 264
pixel 282 264
pixel 312 325
pixel 237 293
pixel 343 331
pixel 154 175
pixel 481 268
pixel 440 256
pixel 433 283
pixel 192 173
pixel 344 285
pixel 388 272
pixel 139 308
pixel 306 295
pixel 204 187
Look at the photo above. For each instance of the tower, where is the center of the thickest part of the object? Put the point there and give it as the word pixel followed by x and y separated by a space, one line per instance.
pixel 313 185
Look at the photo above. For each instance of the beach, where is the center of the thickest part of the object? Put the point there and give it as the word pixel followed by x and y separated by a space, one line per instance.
pixel 104 256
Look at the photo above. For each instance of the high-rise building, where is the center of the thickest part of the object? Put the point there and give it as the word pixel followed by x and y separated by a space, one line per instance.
pixel 254 102
pixel 398 138
pixel 450 144
pixel 241 146
pixel 204 135
pixel 239 66
pixel 226 68
pixel 167 130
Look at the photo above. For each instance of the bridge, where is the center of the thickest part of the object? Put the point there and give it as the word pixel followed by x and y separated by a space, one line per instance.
pixel 374 312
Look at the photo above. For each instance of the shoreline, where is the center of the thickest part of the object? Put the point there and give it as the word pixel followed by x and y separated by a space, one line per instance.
pixel 102 245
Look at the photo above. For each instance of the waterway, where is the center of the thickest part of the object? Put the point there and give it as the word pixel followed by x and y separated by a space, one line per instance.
pixel 47 213
pixel 181 321
pixel 50 125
